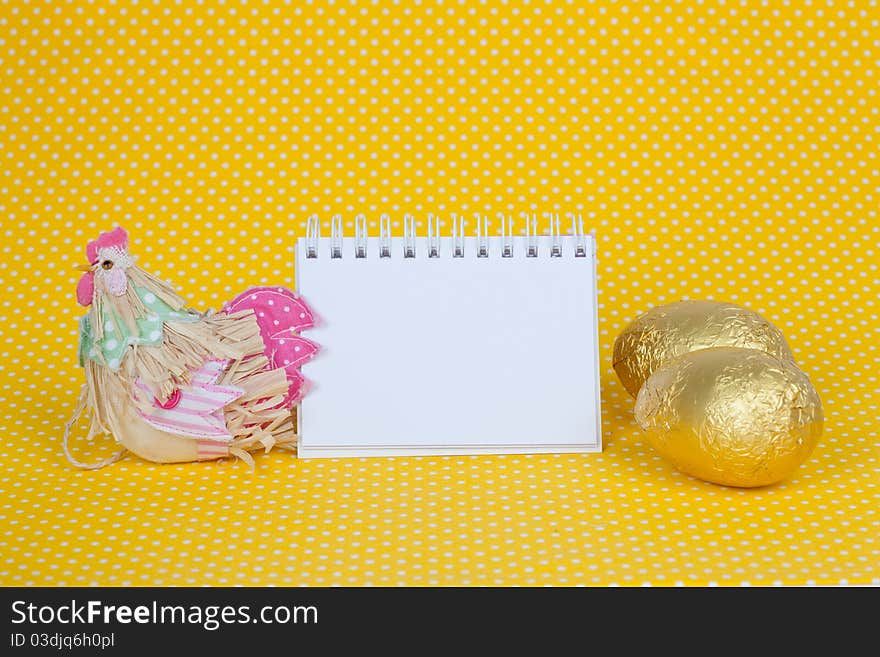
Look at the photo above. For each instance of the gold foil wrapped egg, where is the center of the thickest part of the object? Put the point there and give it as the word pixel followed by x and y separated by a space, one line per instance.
pixel 664 333
pixel 737 417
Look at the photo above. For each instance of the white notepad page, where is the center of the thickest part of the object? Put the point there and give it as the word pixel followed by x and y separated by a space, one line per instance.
pixel 450 355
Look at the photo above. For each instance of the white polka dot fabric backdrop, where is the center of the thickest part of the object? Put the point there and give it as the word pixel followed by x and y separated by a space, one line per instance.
pixel 719 150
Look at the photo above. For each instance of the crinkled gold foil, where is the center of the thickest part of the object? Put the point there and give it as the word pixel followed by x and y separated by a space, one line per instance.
pixel 664 333
pixel 737 417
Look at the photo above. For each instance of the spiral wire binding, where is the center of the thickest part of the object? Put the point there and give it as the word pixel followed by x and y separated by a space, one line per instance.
pixel 577 229
pixel 556 246
pixel 409 236
pixel 482 236
pixel 313 235
pixel 531 234
pixel 433 237
pixel 336 236
pixel 506 235
pixel 384 236
pixel 457 236
pixel 360 236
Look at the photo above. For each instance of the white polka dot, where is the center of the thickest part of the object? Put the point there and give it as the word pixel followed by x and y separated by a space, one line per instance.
pixel 111 344
pixel 149 297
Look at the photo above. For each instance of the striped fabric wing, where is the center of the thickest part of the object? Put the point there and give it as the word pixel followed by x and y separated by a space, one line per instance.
pixel 198 411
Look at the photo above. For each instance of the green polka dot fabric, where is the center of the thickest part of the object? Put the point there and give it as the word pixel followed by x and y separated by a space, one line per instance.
pixel 118 336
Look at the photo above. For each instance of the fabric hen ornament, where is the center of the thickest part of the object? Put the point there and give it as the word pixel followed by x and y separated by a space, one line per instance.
pixel 172 384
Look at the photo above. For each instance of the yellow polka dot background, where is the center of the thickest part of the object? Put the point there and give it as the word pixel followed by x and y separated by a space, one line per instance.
pixel 722 150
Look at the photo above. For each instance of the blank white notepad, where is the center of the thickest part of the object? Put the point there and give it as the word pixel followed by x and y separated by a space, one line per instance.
pixel 450 355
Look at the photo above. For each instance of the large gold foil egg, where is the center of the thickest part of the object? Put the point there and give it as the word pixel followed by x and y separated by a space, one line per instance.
pixel 664 333
pixel 737 417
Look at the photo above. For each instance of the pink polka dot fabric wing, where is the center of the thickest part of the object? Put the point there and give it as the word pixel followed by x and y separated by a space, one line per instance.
pixel 281 314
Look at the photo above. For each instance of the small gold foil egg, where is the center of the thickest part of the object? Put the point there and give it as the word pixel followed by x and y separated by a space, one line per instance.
pixel 666 332
pixel 737 417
